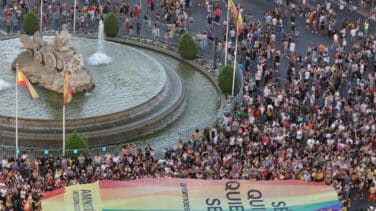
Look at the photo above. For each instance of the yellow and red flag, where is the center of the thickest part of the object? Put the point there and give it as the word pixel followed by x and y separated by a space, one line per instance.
pixel 23 81
pixel 232 8
pixel 239 24
pixel 68 92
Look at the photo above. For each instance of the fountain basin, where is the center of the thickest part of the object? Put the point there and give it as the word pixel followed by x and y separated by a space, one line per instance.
pixel 200 89
pixel 126 83
pixel 141 120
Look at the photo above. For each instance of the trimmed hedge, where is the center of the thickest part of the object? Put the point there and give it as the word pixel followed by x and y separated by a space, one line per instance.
pixel 111 25
pixel 225 78
pixel 187 47
pixel 30 23
pixel 78 142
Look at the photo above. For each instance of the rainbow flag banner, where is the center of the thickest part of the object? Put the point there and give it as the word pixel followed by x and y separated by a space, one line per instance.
pixel 193 195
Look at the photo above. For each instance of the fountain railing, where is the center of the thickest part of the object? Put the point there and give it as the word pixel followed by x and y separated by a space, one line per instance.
pixel 184 134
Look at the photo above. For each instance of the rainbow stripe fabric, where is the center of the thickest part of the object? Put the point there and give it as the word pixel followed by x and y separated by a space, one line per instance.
pixel 194 195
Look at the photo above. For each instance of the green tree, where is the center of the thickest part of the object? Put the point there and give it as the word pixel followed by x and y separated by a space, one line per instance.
pixel 111 25
pixel 187 47
pixel 76 142
pixel 225 78
pixel 30 23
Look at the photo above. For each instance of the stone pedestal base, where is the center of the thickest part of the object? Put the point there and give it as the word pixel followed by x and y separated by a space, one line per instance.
pixel 52 80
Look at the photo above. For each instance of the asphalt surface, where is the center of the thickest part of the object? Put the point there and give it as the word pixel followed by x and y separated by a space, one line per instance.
pixel 257 9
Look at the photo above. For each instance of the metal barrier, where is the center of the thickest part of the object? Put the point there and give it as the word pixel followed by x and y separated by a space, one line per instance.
pixel 183 134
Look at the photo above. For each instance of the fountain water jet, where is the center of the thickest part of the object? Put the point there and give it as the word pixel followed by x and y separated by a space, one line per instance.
pixel 100 58
pixel 4 84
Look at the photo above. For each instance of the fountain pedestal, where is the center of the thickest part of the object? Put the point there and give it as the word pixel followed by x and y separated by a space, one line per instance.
pixel 43 63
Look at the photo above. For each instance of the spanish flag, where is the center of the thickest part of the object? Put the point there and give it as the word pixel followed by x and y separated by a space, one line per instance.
pixel 23 81
pixel 239 24
pixel 68 92
pixel 232 8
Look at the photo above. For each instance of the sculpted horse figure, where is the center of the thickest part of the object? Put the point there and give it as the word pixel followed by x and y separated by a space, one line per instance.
pixel 28 43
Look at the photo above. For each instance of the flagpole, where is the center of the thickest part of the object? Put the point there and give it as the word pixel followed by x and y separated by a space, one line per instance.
pixel 63 129
pixel 228 23
pixel 41 16
pixel 74 16
pixel 234 72
pixel 16 110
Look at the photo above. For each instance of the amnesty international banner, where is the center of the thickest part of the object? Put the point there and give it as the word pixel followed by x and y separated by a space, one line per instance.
pixel 193 195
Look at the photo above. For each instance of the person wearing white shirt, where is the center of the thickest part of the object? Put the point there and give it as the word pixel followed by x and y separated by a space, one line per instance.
pixel 328 5
pixel 335 40
pixel 292 47
pixel 274 21
pixel 267 92
pixel 299 134
pixel 307 74
pixel 353 33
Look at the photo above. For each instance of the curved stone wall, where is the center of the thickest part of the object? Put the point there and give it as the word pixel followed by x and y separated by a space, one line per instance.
pixel 105 129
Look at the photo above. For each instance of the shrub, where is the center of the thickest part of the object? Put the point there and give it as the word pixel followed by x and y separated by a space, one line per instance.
pixel 78 142
pixel 111 25
pixel 225 78
pixel 187 46
pixel 30 23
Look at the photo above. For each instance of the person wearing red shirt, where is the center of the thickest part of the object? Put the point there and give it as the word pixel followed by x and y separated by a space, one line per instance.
pixel 85 9
pixel 217 14
pixel 149 4
pixel 137 10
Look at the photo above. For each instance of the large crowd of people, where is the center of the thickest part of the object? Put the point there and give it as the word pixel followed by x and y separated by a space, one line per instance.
pixel 317 124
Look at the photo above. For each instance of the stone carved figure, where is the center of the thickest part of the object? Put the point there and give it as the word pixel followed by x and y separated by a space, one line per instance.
pixel 38 39
pixel 55 55
pixel 44 62
pixel 75 64
pixel 28 43
pixel 61 39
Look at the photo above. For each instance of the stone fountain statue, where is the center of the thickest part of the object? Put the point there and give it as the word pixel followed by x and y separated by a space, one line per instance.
pixel 44 62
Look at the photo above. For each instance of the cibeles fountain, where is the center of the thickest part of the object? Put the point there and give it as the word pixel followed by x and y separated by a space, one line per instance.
pixel 43 62
pixel 138 92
